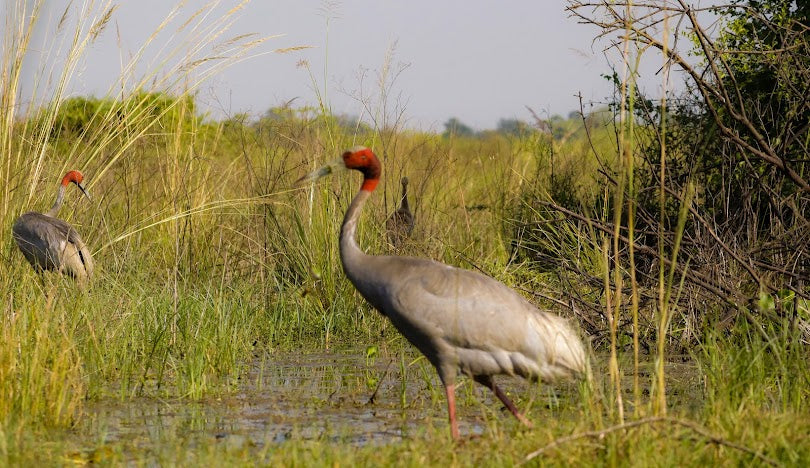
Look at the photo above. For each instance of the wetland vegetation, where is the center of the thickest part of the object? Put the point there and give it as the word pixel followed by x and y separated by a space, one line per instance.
pixel 220 328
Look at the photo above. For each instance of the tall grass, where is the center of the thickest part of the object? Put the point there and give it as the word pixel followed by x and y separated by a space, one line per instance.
pixel 141 150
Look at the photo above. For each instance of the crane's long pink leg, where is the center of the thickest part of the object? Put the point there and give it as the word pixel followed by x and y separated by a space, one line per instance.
pixel 488 382
pixel 451 409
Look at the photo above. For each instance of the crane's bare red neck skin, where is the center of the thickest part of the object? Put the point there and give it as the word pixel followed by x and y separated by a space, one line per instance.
pixel 366 162
pixel 72 176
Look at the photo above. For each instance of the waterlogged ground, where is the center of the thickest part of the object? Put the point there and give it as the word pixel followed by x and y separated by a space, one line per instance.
pixel 309 396
pixel 336 397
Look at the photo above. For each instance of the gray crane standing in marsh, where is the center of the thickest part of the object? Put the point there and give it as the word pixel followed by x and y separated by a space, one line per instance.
pixel 462 321
pixel 400 224
pixel 48 243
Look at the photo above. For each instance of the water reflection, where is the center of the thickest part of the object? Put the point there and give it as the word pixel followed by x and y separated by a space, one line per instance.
pixel 338 397
pixel 324 396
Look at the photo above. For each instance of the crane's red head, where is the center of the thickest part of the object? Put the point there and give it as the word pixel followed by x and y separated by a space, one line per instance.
pixel 77 178
pixel 73 176
pixel 358 158
pixel 363 159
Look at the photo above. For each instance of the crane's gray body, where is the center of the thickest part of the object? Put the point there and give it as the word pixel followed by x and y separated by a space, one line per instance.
pixel 462 321
pixel 48 243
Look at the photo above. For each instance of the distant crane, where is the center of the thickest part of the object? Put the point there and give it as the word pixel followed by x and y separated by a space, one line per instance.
pixel 462 321
pixel 400 224
pixel 48 243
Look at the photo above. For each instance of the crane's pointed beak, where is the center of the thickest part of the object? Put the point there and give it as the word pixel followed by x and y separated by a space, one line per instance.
pixel 325 170
pixel 81 187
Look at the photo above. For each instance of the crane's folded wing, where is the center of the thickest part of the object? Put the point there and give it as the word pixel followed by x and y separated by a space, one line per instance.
pixel 467 308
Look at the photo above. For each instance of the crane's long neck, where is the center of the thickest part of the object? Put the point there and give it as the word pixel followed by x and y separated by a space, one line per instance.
pixel 354 260
pixel 404 204
pixel 60 197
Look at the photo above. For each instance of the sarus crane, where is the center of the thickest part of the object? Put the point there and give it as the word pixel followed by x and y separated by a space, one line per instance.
pixel 48 243
pixel 462 321
pixel 400 224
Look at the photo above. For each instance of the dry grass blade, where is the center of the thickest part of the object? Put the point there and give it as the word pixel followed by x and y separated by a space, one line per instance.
pixel 205 208
pixel 101 24
pixel 286 50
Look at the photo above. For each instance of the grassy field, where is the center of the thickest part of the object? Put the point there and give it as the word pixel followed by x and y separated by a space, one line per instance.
pixel 210 261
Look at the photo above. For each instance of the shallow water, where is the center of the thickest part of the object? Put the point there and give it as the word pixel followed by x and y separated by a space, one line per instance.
pixel 328 397
pixel 323 396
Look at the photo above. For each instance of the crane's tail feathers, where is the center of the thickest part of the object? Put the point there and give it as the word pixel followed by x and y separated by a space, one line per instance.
pixel 563 349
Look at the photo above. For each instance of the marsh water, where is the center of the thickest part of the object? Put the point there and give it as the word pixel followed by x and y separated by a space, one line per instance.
pixel 343 397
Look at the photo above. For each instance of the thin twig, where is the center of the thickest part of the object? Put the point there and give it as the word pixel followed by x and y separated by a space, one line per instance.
pixel 694 427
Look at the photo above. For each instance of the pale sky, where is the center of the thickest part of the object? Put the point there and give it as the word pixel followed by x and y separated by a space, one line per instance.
pixel 477 60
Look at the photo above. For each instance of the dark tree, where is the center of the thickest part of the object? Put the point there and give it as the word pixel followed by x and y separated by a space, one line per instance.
pixel 455 127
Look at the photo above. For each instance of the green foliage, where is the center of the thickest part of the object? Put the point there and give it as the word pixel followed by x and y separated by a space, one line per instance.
pixel 78 116
pixel 169 113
